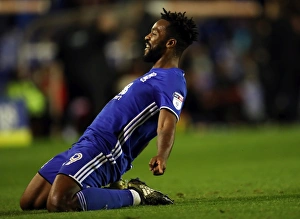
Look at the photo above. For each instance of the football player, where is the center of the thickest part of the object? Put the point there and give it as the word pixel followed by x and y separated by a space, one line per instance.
pixel 149 106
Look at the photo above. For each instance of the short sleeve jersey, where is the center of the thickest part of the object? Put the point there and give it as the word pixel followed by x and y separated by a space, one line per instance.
pixel 129 120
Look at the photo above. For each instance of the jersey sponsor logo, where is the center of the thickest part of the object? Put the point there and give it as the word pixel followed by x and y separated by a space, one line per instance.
pixel 124 91
pixel 177 100
pixel 145 78
pixel 74 158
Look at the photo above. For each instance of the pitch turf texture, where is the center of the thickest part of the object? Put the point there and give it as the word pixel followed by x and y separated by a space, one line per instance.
pixel 224 173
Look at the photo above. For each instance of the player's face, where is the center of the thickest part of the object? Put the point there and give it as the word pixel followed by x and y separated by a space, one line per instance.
pixel 156 41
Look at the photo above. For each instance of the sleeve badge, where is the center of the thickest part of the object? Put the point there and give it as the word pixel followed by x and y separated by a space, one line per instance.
pixel 177 100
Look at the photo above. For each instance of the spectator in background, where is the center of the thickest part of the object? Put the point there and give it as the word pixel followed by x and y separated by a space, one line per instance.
pixel 282 81
pixel 200 82
pixel 124 53
pixel 106 53
pixel 10 40
pixel 217 73
pixel 89 78
pixel 15 84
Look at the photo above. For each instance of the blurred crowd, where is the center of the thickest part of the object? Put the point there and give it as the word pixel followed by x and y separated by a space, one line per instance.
pixel 67 63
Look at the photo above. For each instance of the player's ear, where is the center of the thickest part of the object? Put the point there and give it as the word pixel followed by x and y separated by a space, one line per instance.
pixel 171 43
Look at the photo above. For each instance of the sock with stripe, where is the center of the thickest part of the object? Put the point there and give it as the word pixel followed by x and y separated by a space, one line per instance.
pixel 101 198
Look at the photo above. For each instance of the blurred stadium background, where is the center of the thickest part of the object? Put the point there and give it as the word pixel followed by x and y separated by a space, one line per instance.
pixel 60 61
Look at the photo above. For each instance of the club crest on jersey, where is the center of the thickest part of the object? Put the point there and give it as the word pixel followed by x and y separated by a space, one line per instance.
pixel 74 158
pixel 177 100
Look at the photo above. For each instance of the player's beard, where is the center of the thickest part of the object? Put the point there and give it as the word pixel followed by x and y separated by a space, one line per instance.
pixel 155 53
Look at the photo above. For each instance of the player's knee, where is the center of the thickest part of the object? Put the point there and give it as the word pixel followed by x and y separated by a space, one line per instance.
pixel 57 203
pixel 25 204
pixel 63 202
pixel 28 203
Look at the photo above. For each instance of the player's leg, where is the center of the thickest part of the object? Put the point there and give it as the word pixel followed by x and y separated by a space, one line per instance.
pixel 135 193
pixel 83 170
pixel 69 193
pixel 36 194
pixel 66 195
pixel 62 196
pixel 77 176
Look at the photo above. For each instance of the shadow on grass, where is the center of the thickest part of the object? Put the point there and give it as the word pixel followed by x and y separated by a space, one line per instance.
pixel 17 213
pixel 244 199
pixel 250 198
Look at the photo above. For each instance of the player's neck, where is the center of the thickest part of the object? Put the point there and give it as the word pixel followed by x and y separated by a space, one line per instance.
pixel 167 62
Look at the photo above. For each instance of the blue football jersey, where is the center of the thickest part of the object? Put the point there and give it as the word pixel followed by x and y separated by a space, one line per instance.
pixel 129 120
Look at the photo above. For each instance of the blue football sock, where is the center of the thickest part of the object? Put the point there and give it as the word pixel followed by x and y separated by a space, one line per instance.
pixel 100 198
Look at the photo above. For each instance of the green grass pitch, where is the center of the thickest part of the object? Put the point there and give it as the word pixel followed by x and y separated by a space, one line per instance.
pixel 222 173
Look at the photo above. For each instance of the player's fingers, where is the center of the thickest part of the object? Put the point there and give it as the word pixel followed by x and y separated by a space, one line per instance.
pixel 153 163
pixel 158 170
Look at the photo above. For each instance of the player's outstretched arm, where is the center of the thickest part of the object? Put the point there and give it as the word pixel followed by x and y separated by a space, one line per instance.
pixel 165 138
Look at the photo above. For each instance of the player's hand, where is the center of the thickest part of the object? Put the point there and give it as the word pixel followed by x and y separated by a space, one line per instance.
pixel 157 165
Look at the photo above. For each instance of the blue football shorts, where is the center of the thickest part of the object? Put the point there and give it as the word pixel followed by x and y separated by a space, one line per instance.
pixel 89 164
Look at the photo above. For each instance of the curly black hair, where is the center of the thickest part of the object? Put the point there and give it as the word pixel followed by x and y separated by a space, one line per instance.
pixel 183 29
